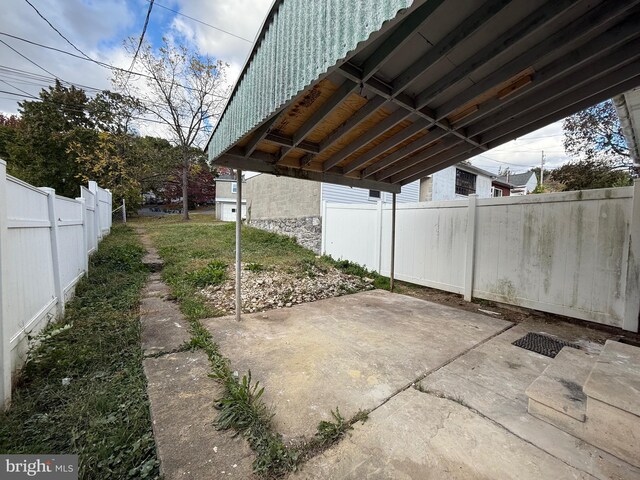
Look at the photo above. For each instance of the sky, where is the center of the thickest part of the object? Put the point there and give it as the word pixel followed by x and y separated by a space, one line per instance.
pixel 224 29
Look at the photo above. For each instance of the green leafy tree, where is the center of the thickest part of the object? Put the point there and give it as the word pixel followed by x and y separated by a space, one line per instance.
pixel 595 134
pixel 589 174
pixel 180 89
pixel 39 152
pixel 9 125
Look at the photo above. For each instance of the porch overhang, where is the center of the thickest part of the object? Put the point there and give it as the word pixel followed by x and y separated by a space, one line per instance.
pixel 440 82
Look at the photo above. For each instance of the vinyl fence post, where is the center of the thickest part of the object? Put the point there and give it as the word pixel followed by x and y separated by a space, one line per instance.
pixel 55 250
pixel 124 211
pixel 93 188
pixel 5 335
pixel 323 243
pixel 471 247
pixel 85 235
pixel 632 295
pixel 378 237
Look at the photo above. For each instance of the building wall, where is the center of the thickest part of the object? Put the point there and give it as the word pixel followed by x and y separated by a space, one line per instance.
pixel 288 206
pixel 223 189
pixel 426 189
pixel 443 186
pixel 342 194
pixel 269 196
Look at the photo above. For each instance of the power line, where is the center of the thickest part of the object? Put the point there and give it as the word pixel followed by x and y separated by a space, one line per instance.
pixel 56 30
pixel 13 86
pixel 27 58
pixel 144 30
pixel 102 64
pixel 204 23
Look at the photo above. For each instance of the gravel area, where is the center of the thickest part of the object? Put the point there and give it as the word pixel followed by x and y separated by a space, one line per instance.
pixel 272 288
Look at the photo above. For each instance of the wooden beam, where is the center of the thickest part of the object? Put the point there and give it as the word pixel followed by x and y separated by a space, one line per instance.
pixel 388 144
pixel 572 33
pixel 260 163
pixel 416 163
pixel 556 90
pixel 259 134
pixel 378 129
pixel 285 141
pixel 570 104
pixel 333 102
pixel 403 101
pixel 508 39
pixel 356 119
pixel 319 115
pixel 456 36
pixel 443 161
pixel 403 152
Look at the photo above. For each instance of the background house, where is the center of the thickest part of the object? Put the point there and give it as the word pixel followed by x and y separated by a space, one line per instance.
pixel 458 181
pixel 500 188
pixel 226 196
pixel 522 183
pixel 294 207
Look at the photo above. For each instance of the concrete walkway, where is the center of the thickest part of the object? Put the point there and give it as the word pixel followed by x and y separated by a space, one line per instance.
pixel 181 394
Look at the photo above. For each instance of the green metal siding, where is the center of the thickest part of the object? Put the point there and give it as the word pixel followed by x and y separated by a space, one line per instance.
pixel 302 42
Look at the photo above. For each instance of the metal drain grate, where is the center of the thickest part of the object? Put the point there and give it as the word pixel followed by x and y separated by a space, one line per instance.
pixel 542 344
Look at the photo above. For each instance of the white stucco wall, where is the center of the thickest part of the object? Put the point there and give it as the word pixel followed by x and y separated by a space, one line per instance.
pixel 444 186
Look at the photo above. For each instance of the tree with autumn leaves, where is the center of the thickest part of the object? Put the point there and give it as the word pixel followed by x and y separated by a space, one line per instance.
pixel 67 138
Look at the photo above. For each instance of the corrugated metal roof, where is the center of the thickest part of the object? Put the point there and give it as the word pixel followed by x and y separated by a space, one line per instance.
pixel 300 41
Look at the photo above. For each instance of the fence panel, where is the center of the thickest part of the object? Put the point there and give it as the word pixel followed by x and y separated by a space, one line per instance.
pixel 29 289
pixel 71 242
pixel 104 209
pixel 566 253
pixel 90 205
pixel 562 253
pixel 45 241
pixel 430 244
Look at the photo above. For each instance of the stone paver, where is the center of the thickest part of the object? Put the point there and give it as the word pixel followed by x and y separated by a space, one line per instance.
pixel 189 446
pixel 493 378
pixel 181 394
pixel 351 352
pixel 164 329
pixel 420 436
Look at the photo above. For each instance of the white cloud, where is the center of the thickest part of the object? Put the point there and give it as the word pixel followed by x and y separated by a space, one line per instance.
pixel 88 25
pixel 525 152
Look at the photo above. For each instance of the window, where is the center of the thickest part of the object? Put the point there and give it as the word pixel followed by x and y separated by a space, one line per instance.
pixel 465 182
pixel 496 192
pixel 374 193
pixel 234 187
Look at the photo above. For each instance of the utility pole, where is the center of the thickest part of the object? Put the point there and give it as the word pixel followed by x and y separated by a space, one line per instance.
pixel 542 169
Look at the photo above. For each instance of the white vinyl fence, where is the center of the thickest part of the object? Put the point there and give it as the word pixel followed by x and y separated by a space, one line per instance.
pixel 45 243
pixel 573 253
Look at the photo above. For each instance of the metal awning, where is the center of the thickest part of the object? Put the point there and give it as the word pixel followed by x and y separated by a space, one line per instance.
pixel 435 84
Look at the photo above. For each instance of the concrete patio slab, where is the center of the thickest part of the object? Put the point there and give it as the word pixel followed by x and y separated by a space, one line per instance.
pixel 420 436
pixel 351 352
pixel 189 446
pixel 492 379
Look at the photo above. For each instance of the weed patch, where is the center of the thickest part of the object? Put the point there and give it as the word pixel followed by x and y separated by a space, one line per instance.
pixel 83 390
pixel 213 274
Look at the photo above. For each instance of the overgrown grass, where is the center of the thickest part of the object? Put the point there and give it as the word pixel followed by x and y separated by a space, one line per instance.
pixel 189 250
pixel 195 254
pixel 100 411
